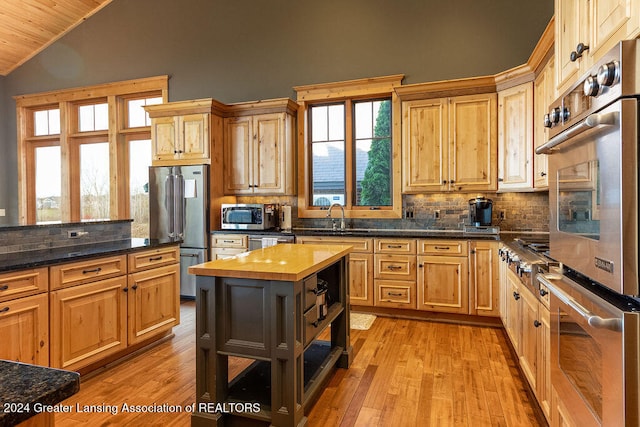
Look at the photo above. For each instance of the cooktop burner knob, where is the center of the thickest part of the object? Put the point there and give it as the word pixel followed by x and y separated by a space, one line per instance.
pixel 547 121
pixel 609 73
pixel 554 116
pixel 591 86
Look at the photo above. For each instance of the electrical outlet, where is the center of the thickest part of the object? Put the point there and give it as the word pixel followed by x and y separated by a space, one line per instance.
pixel 502 214
pixel 436 214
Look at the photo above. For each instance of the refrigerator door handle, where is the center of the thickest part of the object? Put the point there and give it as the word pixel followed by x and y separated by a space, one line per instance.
pixel 169 204
pixel 179 206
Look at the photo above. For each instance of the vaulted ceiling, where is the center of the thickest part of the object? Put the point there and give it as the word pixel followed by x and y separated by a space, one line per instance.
pixel 29 26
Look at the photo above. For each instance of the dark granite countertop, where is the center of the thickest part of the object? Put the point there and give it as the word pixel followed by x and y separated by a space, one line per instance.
pixel 26 390
pixel 360 232
pixel 39 258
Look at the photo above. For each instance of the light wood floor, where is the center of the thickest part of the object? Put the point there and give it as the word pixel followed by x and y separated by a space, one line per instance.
pixel 404 373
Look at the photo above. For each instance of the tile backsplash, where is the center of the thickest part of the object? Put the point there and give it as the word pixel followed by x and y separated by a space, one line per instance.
pixel 523 212
pixel 48 236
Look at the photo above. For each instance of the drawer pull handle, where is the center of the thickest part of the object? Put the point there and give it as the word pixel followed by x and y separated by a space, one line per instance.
pixel 442 248
pixel 4 287
pixel 228 241
pixel 4 310
pixel 158 258
pixel 394 246
pixel 394 267
pixel 394 294
pixel 95 270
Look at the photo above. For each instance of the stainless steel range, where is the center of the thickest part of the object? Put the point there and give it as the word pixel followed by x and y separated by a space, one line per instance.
pixel 528 257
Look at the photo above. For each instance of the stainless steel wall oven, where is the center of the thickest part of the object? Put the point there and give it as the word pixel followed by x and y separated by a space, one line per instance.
pixel 593 196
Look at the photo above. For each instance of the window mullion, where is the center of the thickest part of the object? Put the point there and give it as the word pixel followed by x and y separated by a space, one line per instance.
pixel 70 172
pixel 349 155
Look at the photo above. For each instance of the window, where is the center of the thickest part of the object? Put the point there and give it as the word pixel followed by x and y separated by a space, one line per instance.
pixel 84 159
pixel 349 144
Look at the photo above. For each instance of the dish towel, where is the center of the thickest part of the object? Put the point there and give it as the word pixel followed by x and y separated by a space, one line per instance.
pixel 269 241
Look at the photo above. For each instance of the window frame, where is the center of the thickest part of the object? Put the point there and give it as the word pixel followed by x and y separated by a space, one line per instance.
pixel 70 139
pixel 348 92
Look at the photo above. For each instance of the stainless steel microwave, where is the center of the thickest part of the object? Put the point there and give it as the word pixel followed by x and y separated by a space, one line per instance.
pixel 254 216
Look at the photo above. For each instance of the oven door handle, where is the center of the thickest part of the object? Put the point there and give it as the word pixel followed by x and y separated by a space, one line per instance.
pixel 612 324
pixel 593 120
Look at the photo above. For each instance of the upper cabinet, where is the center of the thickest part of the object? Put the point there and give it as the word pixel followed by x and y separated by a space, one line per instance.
pixel 515 138
pixel 543 95
pixel 181 131
pixel 449 144
pixel 585 30
pixel 259 155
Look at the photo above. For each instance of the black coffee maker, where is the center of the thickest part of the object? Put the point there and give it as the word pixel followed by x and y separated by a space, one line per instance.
pixel 480 211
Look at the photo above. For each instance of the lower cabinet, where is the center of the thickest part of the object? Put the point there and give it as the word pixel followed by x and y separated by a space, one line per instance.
pixel 24 328
pixel 443 284
pixel 484 280
pixel 153 302
pixel 88 322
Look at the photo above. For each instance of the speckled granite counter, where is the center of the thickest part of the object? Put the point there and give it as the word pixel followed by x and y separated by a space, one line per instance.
pixel 27 390
pixel 31 259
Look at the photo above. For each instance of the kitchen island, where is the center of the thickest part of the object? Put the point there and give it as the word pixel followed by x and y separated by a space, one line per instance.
pixel 269 306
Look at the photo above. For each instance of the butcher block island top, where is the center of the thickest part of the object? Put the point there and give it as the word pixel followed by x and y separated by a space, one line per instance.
pixel 288 262
pixel 270 306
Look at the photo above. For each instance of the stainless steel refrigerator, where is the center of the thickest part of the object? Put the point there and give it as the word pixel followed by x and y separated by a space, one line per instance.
pixel 179 208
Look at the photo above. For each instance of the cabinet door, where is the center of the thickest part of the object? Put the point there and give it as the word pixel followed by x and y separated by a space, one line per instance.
pixel 571 28
pixel 153 302
pixel 473 143
pixel 543 96
pixel 443 284
pixel 513 306
pixel 24 328
pixel 268 153
pixel 529 341
pixel 543 390
pixel 194 136
pixel 164 135
pixel 612 21
pixel 88 322
pixel 504 291
pixel 237 155
pixel 483 278
pixel 424 145
pixel 361 279
pixel 515 137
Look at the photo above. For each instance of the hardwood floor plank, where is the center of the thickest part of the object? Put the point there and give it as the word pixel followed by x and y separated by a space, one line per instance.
pixel 404 373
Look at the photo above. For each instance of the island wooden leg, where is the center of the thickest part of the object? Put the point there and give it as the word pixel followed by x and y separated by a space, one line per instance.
pixel 212 370
pixel 287 361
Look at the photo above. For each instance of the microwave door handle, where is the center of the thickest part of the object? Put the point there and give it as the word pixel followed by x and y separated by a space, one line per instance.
pixel 612 324
pixel 598 119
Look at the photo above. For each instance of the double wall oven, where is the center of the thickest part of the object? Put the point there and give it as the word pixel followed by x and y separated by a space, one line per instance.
pixel 593 196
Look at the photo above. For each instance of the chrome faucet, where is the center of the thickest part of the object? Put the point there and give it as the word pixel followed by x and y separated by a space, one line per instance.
pixel 341 219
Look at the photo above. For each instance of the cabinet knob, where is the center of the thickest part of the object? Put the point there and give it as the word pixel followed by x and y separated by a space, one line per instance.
pixel 125 289
pixel 452 181
pixel 536 323
pixel 472 251
pixel 516 296
pixel 543 292
pixel 134 287
pixel 500 179
pixel 445 181
pixel 420 265
pixel 543 174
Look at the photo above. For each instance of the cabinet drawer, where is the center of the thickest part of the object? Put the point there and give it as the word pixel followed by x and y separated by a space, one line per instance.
pixel 395 294
pixel 145 260
pixel 238 241
pixel 23 283
pixel 310 324
pixel 395 267
pixel 442 247
pixel 395 246
pixel 359 244
pixel 75 273
pixel 310 285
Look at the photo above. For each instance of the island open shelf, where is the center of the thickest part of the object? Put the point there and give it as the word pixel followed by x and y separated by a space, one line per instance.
pixel 270 305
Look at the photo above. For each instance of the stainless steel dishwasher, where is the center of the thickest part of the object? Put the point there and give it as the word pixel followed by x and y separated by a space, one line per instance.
pixel 256 240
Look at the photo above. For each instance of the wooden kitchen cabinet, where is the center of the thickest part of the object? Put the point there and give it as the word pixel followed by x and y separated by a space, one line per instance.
pixel 449 144
pixel 484 279
pixel 88 322
pixel 544 94
pixel 76 273
pixel 515 138
pixel 228 245
pixel 259 151
pixel 395 273
pixel 361 277
pixel 153 303
pixel 443 280
pixel 513 309
pixel 18 284
pixel 182 132
pixel 24 328
pixel 528 348
pixel 599 25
